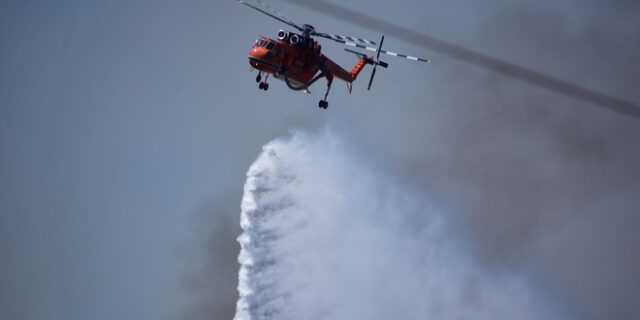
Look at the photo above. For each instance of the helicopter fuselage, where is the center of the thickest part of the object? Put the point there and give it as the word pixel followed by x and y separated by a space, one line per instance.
pixel 297 60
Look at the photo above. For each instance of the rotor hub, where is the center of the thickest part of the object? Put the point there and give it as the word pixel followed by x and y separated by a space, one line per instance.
pixel 308 29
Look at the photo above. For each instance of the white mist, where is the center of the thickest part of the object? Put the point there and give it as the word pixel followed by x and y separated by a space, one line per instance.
pixel 327 237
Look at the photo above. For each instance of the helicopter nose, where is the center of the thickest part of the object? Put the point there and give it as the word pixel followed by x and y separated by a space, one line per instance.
pixel 259 53
pixel 261 58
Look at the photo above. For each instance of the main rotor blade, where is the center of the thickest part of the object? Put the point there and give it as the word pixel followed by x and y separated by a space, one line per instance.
pixel 391 53
pixel 344 38
pixel 395 54
pixel 275 14
pixel 490 63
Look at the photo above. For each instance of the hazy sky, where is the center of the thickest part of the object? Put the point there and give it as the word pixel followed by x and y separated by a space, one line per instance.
pixel 126 129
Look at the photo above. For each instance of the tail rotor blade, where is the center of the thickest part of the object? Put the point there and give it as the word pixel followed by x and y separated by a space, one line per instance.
pixel 376 63
pixel 379 49
pixel 373 73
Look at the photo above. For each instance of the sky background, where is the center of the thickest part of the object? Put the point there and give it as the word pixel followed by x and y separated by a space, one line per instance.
pixel 126 129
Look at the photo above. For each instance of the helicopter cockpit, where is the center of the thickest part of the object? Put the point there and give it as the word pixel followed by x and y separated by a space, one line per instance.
pixel 265 43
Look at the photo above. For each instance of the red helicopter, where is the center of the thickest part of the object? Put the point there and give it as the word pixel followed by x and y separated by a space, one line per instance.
pixel 296 58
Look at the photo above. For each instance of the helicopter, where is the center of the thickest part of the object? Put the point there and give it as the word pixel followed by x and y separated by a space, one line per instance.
pixel 296 58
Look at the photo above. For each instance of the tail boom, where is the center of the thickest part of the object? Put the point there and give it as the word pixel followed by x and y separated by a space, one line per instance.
pixel 344 75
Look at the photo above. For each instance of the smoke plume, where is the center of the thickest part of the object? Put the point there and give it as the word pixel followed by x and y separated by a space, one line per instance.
pixel 487 62
pixel 326 236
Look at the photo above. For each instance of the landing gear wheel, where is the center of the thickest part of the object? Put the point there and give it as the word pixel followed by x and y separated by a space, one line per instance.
pixel 261 86
pixel 265 86
pixel 258 78
pixel 323 104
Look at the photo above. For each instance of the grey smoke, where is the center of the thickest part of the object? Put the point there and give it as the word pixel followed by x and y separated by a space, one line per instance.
pixel 540 181
pixel 209 254
pixel 477 58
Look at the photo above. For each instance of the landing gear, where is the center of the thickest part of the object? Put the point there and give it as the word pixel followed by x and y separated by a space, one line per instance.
pixel 262 85
pixel 323 104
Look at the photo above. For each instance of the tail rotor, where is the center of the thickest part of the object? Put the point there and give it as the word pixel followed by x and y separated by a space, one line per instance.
pixel 377 63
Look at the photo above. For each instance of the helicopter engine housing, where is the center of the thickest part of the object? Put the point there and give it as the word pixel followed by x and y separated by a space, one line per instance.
pixel 283 35
pixel 294 39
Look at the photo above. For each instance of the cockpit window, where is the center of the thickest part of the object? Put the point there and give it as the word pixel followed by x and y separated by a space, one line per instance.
pixel 264 43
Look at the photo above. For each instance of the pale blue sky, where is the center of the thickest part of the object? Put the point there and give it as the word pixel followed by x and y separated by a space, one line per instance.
pixel 120 121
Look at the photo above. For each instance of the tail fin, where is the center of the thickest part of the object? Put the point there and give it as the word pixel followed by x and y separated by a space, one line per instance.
pixel 358 67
